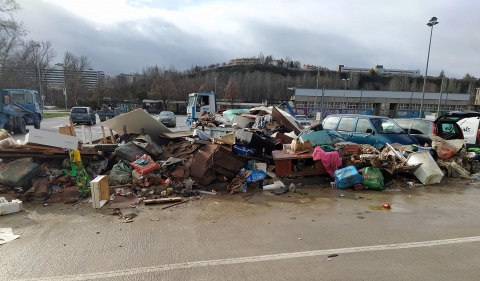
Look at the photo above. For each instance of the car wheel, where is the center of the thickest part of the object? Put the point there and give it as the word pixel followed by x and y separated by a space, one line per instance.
pixel 95 121
pixel 22 128
pixel 89 123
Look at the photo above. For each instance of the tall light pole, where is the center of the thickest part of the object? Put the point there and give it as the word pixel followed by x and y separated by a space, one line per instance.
pixel 433 21
pixel 215 86
pixel 39 72
pixel 345 80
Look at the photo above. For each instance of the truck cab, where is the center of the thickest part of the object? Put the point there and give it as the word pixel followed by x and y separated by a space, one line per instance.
pixel 199 102
pixel 20 108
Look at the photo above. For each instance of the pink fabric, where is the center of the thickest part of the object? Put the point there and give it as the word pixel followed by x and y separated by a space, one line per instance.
pixel 330 160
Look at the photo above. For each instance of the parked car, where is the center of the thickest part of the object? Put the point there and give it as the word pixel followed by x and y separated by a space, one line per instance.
pixel 471 131
pixel 167 118
pixel 303 120
pixel 367 129
pixel 83 115
pixel 337 137
pixel 447 126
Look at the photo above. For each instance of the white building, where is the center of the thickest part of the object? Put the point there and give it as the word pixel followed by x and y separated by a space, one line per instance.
pixel 379 69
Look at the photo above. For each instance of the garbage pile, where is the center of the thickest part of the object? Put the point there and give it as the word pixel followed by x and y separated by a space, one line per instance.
pixel 244 149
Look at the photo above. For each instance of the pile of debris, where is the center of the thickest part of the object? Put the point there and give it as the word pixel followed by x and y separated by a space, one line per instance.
pixel 244 149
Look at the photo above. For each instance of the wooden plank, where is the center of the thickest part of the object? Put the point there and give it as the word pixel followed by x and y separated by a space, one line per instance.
pixel 38 147
pixel 112 138
pixel 72 128
pixel 162 200
pixel 178 203
pixel 103 133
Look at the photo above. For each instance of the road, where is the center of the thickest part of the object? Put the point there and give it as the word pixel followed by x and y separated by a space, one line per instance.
pixel 430 233
pixel 268 237
pixel 52 124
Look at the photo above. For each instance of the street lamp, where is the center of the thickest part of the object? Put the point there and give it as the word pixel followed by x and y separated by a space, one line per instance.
pixel 433 21
pixel 215 86
pixel 344 104
pixel 39 73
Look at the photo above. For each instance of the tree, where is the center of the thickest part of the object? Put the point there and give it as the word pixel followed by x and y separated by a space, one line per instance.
pixel 163 89
pixel 288 59
pixel 224 64
pixel 442 74
pixel 142 95
pixel 73 68
pixel 268 59
pixel 291 64
pixel 297 64
pixel 232 91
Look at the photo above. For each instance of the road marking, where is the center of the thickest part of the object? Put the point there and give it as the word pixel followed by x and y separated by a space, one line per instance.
pixel 168 267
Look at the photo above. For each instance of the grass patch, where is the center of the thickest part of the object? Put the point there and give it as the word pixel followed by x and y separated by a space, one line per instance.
pixel 55 114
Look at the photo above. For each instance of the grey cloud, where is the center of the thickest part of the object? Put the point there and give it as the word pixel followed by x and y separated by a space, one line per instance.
pixel 398 40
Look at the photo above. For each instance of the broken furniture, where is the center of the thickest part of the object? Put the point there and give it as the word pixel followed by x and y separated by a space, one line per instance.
pixel 284 164
pixel 100 190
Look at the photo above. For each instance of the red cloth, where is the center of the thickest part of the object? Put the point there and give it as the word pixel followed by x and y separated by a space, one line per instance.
pixel 330 160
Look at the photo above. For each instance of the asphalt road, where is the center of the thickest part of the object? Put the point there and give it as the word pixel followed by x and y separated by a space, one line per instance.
pixel 435 230
pixel 52 124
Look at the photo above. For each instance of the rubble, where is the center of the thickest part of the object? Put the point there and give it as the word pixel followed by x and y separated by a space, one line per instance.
pixel 239 149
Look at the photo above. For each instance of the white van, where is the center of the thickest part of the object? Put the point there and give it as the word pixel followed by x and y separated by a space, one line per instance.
pixel 471 130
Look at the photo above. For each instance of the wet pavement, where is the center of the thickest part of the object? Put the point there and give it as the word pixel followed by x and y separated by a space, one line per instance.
pixel 266 237
pixel 52 125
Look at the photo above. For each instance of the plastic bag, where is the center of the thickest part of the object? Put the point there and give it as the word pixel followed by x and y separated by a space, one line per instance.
pixel 256 175
pixel 373 178
pixel 446 152
pixel 120 174
pixel 144 165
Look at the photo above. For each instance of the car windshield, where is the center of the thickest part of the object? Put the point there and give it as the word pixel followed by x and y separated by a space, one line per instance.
pixel 386 126
pixel 166 114
pixel 336 136
pixel 301 117
pixel 79 110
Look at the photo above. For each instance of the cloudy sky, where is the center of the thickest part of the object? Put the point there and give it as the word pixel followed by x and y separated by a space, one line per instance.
pixel 127 35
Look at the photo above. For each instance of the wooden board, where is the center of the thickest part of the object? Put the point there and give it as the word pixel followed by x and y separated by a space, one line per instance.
pixel 286 120
pixel 100 191
pixel 162 200
pixel 134 121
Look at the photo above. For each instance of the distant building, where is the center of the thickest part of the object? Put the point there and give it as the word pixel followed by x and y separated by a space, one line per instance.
pixel 313 67
pixel 54 77
pixel 244 61
pixel 379 69
pixel 279 63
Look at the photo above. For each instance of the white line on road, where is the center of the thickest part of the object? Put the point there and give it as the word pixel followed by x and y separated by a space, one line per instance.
pixel 168 267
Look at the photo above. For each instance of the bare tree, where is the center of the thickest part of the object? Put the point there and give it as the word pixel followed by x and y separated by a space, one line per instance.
pixel 232 91
pixel 73 71
pixel 163 89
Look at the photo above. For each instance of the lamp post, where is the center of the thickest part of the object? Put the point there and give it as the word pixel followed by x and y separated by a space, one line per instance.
pixel 344 104
pixel 39 71
pixel 215 86
pixel 433 21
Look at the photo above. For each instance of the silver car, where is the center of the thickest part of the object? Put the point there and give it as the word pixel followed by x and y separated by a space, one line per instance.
pixel 167 118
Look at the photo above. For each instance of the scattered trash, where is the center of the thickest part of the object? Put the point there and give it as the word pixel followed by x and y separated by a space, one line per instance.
pixel 386 206
pixel 6 235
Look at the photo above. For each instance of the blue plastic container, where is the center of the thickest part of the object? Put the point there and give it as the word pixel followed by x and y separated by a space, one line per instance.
pixel 347 177
pixel 422 149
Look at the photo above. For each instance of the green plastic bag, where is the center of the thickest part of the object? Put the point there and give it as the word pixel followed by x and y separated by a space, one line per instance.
pixel 373 179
